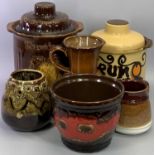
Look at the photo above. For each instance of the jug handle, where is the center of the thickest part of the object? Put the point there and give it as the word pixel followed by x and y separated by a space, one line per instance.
pixel 53 55
pixel 148 43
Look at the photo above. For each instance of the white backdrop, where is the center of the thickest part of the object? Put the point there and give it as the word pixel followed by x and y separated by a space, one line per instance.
pixel 94 14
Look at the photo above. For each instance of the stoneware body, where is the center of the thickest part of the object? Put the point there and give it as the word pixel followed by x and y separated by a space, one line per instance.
pixel 124 54
pixel 80 54
pixel 87 110
pixel 135 115
pixel 36 33
pixel 27 104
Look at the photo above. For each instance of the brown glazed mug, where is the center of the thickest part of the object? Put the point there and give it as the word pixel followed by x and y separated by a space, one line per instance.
pixel 79 54
pixel 135 115
pixel 87 110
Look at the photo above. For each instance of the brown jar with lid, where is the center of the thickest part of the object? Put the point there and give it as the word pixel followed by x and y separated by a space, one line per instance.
pixel 36 33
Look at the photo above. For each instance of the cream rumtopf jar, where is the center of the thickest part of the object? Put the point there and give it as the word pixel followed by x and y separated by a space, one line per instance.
pixel 124 54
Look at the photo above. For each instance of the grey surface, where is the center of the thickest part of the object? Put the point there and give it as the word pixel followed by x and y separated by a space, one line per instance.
pixel 93 13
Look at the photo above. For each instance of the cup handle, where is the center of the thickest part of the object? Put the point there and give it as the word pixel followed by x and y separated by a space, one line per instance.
pixel 54 56
pixel 148 43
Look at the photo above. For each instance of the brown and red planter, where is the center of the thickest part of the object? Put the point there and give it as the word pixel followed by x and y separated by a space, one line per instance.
pixel 87 110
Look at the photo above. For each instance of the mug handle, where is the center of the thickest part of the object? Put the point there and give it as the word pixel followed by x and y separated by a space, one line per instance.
pixel 148 43
pixel 54 58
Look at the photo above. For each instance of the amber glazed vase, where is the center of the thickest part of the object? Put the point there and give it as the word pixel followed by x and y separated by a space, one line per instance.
pixel 27 103
pixel 87 110
pixel 135 115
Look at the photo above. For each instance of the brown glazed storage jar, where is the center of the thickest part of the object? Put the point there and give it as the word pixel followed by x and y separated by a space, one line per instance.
pixel 37 32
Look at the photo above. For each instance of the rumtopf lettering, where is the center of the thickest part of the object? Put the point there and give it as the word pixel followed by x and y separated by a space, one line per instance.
pixel 121 69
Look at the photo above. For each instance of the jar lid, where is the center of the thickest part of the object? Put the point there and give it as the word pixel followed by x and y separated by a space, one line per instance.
pixel 46 20
pixel 120 38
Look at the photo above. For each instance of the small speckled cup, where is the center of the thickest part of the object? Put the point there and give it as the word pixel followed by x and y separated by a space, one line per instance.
pixel 135 115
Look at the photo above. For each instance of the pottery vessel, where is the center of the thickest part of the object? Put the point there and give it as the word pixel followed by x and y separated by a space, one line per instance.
pixel 87 110
pixel 78 55
pixel 124 54
pixel 36 33
pixel 27 104
pixel 135 115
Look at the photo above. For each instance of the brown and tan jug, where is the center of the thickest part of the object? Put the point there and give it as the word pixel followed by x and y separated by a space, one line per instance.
pixel 36 33
pixel 124 54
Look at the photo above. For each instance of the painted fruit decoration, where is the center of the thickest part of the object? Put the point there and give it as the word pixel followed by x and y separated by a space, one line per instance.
pixel 136 70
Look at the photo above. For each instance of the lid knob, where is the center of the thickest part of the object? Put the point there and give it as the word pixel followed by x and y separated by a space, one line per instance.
pixel 44 9
pixel 117 26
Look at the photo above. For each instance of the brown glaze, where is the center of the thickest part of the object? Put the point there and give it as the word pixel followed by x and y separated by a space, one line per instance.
pixel 136 110
pixel 101 89
pixel 45 20
pixel 44 9
pixel 36 33
pixel 136 115
pixel 28 123
pixel 87 91
pixel 87 110
pixel 82 53
pixel 31 52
